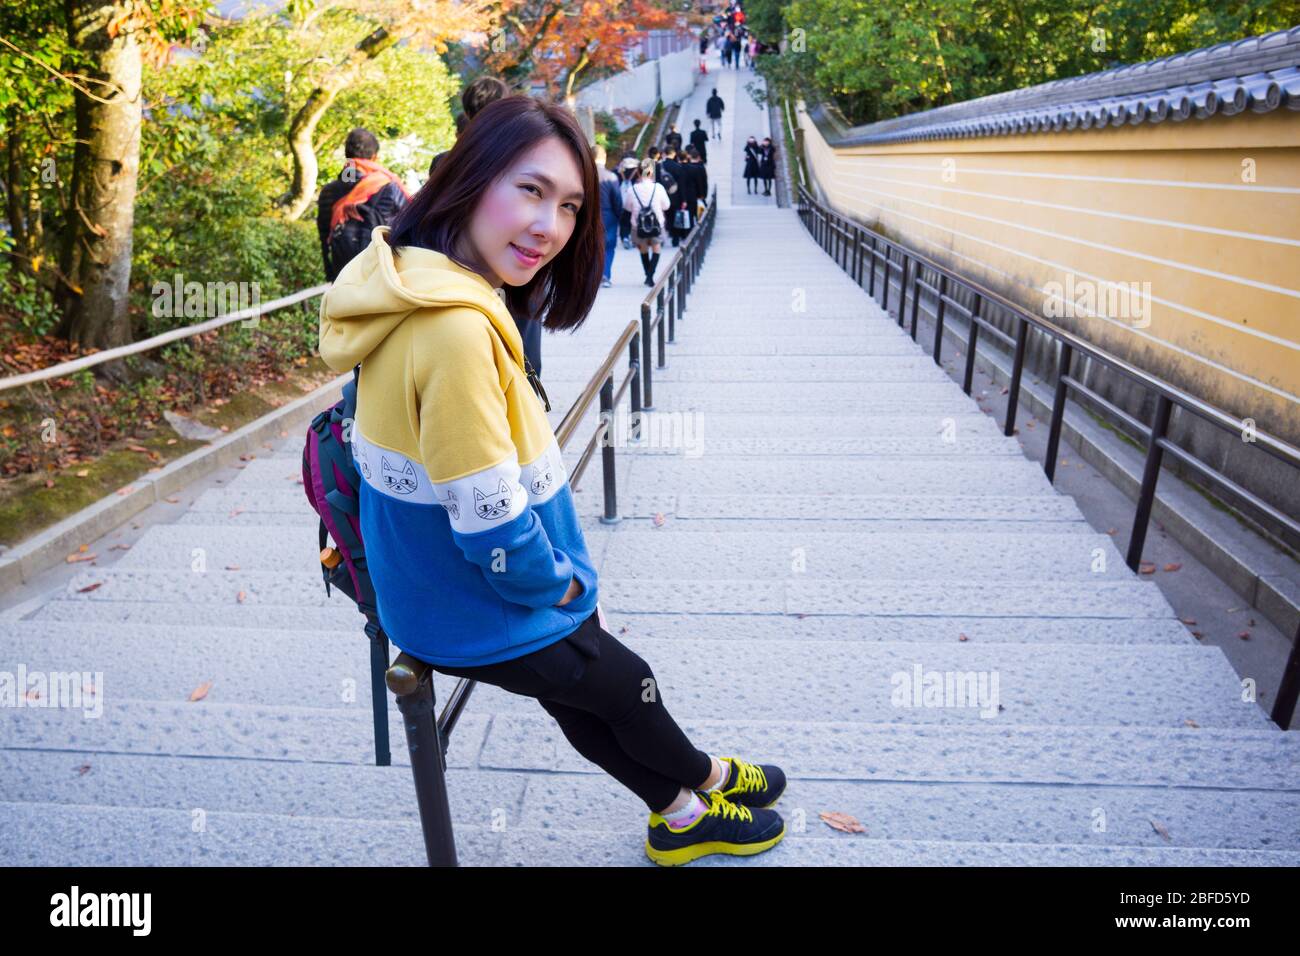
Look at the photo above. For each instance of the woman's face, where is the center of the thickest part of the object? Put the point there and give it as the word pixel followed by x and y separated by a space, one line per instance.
pixel 525 218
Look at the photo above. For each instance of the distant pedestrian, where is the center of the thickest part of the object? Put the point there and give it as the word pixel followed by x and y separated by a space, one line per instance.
pixel 700 140
pixel 767 164
pixel 714 108
pixel 752 154
pixel 365 195
pixel 648 202
pixel 628 172
pixel 611 207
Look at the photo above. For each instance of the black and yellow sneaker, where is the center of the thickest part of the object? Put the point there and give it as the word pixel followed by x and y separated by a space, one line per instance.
pixel 753 785
pixel 725 827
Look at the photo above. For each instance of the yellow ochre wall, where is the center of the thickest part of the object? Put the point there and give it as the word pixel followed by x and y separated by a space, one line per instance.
pixel 1161 203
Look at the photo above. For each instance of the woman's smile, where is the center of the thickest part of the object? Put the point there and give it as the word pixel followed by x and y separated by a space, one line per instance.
pixel 524 257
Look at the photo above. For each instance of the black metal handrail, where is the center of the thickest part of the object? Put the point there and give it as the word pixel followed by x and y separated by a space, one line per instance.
pixel 840 236
pixel 411 679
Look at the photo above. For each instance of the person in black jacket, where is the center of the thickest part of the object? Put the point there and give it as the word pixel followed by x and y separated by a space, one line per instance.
pixel 714 108
pixel 673 139
pixel 480 93
pixel 767 164
pixel 682 197
pixel 695 186
pixel 752 154
pixel 361 145
pixel 700 140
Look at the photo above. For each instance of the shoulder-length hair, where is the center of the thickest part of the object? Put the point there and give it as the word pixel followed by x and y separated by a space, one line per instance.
pixel 562 292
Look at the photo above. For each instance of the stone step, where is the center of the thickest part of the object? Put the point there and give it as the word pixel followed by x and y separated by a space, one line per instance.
pixel 1021 812
pixel 676 550
pixel 341 616
pixel 701 342
pixel 759 368
pixel 679 552
pixel 911 476
pixel 220 588
pixel 78 836
pixel 1058 684
pixel 276 506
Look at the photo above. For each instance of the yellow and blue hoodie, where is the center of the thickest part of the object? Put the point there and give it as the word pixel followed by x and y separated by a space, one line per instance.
pixel 466 512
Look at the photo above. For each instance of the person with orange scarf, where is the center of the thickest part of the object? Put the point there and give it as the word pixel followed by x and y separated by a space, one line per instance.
pixel 365 192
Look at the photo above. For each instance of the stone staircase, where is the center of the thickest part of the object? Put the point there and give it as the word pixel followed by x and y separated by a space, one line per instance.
pixel 847 520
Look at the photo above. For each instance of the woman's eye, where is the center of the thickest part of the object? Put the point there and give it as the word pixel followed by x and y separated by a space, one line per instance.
pixel 532 187
pixel 574 206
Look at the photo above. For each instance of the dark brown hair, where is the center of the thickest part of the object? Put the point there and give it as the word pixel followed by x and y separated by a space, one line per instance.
pixel 562 292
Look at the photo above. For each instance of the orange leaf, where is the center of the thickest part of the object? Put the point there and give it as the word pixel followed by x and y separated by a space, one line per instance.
pixel 74 557
pixel 90 587
pixel 1174 566
pixel 240 596
pixel 201 691
pixel 841 821
pixel 1146 567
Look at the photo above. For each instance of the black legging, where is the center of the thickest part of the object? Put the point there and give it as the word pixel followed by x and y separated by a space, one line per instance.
pixel 608 704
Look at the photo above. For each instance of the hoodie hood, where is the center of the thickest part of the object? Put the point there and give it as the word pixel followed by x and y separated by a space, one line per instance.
pixel 376 291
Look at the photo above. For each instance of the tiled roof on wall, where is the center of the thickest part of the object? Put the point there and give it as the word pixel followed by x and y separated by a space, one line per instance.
pixel 1259 74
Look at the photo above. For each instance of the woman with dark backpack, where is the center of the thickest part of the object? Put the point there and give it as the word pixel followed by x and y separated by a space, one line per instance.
pixel 473 543
pixel 648 202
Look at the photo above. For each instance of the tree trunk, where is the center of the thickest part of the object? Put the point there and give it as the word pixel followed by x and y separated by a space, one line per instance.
pixel 106 162
pixel 302 130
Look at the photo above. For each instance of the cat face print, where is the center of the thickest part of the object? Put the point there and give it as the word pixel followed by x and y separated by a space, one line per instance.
pixel 542 478
pixel 493 505
pixel 400 481
pixel 451 504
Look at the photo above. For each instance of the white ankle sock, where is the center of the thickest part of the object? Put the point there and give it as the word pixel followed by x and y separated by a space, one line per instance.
pixel 726 772
pixel 687 814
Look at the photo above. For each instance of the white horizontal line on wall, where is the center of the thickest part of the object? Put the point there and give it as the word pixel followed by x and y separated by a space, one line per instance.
pixel 1258 237
pixel 1163 343
pixel 1018 174
pixel 1009 223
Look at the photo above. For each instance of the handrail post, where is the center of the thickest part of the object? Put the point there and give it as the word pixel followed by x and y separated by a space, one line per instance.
pixel 971 342
pixel 916 297
pixel 1289 690
pixel 1150 475
pixel 1058 411
pixel 871 276
pixel 884 298
pixel 411 680
pixel 607 452
pixel 857 259
pixel 634 363
pixel 647 364
pixel 669 297
pixel 661 360
pixel 1017 366
pixel 902 286
pixel 938 316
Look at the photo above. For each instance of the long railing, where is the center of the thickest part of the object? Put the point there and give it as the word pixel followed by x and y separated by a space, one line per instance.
pixel 411 679
pixel 858 249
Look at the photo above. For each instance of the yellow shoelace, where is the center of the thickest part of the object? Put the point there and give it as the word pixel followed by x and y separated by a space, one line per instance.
pixel 749 777
pixel 725 808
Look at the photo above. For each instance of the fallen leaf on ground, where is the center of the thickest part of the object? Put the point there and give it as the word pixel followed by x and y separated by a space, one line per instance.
pixel 1159 828
pixel 90 587
pixel 1146 567
pixel 172 498
pixel 201 691
pixel 1173 566
pixel 75 557
pixel 841 821
pixel 240 596
pixel 83 473
pixel 1191 723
